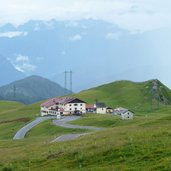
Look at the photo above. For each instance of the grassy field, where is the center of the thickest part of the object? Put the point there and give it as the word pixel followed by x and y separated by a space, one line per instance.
pixel 6 106
pixel 134 96
pixel 134 145
pixel 47 128
pixel 14 116
pixel 139 144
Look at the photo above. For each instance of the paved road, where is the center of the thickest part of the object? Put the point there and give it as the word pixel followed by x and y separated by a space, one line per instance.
pixel 23 131
pixel 67 137
pixel 63 123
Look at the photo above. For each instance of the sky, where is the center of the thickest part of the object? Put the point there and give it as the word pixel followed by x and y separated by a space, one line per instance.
pixel 141 28
pixel 133 15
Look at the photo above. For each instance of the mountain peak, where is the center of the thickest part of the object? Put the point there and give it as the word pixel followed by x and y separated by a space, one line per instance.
pixel 31 89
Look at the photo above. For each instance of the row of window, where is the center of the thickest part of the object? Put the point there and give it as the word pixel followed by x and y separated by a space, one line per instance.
pixel 76 104
pixel 52 112
pixel 75 109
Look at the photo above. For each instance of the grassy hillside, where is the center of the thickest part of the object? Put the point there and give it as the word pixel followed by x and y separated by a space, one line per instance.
pixel 9 105
pixel 139 144
pixel 135 96
pixel 31 89
pixel 14 116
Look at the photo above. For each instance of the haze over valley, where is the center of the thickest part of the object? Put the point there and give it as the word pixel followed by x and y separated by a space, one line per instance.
pixel 97 49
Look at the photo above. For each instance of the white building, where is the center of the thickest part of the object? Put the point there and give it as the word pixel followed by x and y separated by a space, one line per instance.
pixel 127 115
pixel 63 106
pixel 100 108
pixel 124 113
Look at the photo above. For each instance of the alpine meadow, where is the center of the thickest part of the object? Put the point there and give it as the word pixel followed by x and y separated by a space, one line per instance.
pixel 85 85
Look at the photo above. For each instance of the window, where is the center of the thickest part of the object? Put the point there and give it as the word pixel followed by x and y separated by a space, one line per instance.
pixel 70 105
pixel 75 104
pixel 81 104
pixel 75 108
pixel 70 109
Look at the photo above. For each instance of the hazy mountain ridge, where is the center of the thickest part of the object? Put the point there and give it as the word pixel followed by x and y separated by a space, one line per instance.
pixel 31 89
pixel 8 72
pixel 106 49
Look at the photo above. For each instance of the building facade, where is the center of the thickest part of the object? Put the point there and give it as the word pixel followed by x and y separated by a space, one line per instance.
pixel 63 106
pixel 124 113
pixel 100 108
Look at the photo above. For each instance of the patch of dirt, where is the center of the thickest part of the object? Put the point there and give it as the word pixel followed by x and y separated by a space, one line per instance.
pixel 16 120
pixel 54 155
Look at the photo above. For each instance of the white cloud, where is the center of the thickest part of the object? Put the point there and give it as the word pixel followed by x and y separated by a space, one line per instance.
pixel 75 37
pixel 21 58
pixel 22 64
pixel 25 67
pixel 133 15
pixel 12 34
pixel 113 36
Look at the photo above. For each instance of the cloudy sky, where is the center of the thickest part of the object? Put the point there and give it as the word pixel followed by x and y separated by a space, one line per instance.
pixel 133 15
pixel 141 28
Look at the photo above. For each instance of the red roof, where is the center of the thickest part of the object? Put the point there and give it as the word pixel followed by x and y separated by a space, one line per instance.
pixel 89 106
pixel 62 100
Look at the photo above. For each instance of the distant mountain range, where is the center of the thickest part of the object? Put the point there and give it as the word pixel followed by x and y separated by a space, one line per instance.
pixel 31 89
pixel 137 96
pixel 96 51
pixel 7 72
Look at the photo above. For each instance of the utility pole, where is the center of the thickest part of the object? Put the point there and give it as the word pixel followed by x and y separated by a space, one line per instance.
pixel 14 91
pixel 70 80
pixel 65 83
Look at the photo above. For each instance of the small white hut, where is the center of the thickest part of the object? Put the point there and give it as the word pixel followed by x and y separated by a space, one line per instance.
pixel 127 115
pixel 124 113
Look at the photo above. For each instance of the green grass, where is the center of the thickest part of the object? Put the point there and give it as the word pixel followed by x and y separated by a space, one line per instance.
pixel 100 120
pixel 15 117
pixel 9 106
pixel 142 144
pixel 134 96
pixel 47 128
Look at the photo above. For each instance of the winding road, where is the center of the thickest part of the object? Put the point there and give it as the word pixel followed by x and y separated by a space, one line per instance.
pixel 23 131
pixel 62 122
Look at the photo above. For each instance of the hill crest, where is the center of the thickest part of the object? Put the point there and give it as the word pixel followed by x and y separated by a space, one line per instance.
pixel 31 89
pixel 138 96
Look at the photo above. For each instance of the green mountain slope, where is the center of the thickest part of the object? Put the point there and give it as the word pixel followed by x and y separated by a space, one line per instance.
pixel 31 89
pixel 143 96
pixel 9 106
pixel 144 140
